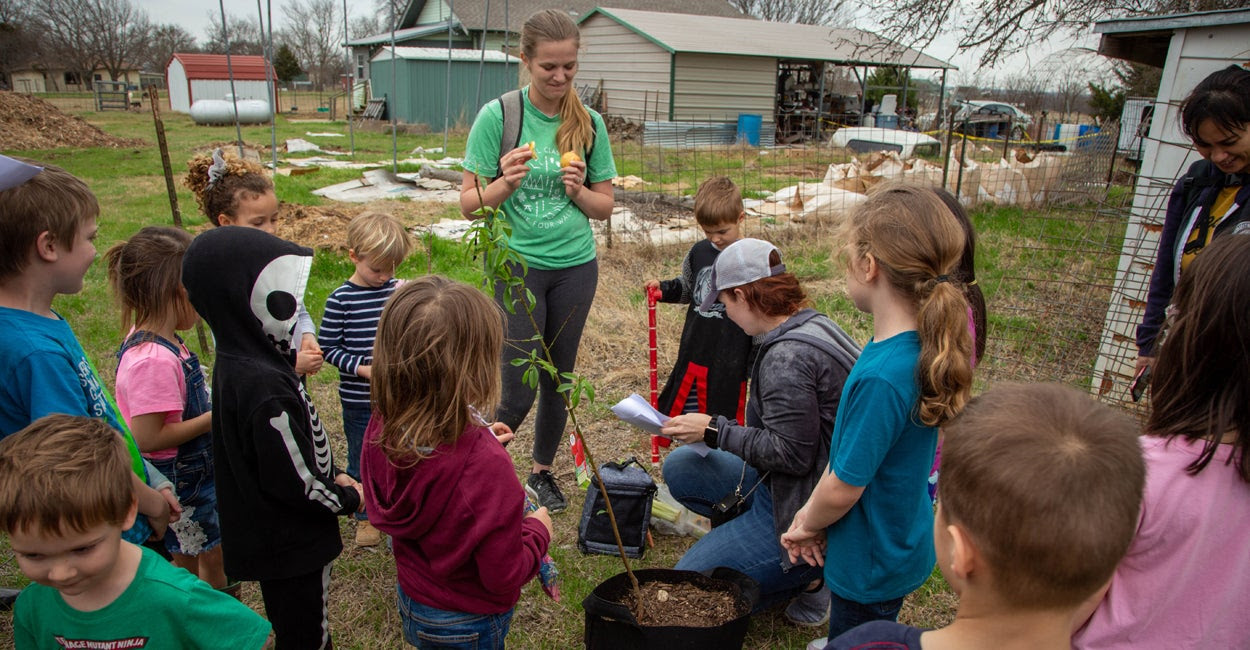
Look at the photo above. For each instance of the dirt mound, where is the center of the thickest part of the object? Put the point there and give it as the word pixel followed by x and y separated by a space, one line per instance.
pixel 623 129
pixel 31 123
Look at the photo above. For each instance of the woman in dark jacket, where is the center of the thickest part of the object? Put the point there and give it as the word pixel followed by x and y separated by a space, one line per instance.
pixel 777 457
pixel 1213 197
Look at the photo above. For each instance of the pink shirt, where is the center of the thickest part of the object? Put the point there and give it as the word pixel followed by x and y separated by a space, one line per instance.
pixel 150 380
pixel 1183 582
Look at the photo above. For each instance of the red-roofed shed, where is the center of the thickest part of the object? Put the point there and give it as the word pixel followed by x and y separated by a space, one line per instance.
pixel 205 76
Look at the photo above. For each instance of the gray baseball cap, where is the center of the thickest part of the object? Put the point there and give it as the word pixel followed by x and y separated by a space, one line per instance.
pixel 742 262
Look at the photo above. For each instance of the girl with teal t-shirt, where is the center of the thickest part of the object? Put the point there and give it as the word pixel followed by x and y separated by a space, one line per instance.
pixel 869 521
pixel 548 189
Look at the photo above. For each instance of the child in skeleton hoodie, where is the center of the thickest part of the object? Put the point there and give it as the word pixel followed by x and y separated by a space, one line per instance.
pixel 279 493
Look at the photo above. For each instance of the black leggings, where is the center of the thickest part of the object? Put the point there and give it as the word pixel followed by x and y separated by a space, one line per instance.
pixel 562 303
pixel 297 609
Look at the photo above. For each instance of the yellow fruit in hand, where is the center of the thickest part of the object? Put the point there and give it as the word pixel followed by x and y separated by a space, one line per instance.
pixel 530 144
pixel 568 158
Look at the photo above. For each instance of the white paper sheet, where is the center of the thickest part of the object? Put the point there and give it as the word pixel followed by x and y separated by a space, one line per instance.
pixel 15 172
pixel 639 412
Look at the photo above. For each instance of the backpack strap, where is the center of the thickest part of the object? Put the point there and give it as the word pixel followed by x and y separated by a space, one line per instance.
pixel 513 109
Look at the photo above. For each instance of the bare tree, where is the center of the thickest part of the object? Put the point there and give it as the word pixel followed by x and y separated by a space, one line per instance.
pixel 314 32
pixel 164 41
pixel 999 28
pixel 367 25
pixel 245 36
pixel 19 39
pixel 807 12
pixel 120 35
pixel 68 24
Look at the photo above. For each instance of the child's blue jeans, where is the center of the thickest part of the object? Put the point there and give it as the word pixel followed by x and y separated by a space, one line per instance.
pixel 355 421
pixel 427 627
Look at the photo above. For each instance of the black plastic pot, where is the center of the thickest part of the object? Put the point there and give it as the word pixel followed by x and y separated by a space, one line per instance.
pixel 611 626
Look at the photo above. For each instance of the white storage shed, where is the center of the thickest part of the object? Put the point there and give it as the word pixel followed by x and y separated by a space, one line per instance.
pixel 206 76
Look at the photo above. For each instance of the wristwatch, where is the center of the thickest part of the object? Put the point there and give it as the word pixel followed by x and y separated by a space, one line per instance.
pixel 712 432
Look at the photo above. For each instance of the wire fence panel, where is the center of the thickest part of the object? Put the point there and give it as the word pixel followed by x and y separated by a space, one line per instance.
pixel 1063 251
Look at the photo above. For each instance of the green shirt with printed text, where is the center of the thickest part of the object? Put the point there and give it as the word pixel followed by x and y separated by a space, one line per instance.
pixel 548 229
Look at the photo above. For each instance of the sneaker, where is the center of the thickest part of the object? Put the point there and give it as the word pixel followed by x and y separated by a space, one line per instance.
pixel 809 609
pixel 8 597
pixel 549 494
pixel 818 644
pixel 366 534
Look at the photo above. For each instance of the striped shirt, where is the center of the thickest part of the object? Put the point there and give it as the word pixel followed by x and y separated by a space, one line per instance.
pixel 348 328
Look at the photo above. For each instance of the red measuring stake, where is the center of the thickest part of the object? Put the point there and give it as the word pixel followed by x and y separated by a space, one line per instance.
pixel 653 294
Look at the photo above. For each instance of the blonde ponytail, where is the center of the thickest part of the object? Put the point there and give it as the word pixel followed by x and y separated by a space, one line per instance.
pixel 576 128
pixel 918 243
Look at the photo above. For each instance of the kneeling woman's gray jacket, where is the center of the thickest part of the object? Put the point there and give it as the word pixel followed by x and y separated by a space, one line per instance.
pixel 795 386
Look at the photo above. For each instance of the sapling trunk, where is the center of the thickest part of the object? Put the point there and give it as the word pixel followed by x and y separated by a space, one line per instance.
pixel 497 255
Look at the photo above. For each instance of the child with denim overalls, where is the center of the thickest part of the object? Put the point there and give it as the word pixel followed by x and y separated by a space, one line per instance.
pixel 162 393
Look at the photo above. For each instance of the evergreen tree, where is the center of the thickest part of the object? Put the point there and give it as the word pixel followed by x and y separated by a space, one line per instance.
pixel 285 65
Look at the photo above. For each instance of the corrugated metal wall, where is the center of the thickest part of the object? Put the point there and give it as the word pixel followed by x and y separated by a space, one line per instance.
pixel 635 71
pixel 219 88
pixel 712 87
pixel 422 89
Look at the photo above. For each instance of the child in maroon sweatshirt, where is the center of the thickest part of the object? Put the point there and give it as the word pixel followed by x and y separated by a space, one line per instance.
pixel 434 472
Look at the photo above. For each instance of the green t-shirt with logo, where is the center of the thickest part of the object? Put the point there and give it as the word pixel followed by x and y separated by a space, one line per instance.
pixel 548 229
pixel 164 607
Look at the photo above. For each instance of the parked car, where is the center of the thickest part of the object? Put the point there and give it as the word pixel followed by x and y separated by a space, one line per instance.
pixel 990 119
pixel 867 139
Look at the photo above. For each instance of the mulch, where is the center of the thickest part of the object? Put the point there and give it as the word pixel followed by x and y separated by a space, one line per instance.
pixel 28 122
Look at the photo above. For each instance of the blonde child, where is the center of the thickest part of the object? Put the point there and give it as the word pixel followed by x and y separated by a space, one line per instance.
pixel 710 375
pixel 1182 583
pixel 869 520
pixel 65 497
pixel 435 476
pixel 376 244
pixel 161 390
pixel 236 192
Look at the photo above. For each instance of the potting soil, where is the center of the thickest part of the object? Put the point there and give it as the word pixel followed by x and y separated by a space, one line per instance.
pixel 682 604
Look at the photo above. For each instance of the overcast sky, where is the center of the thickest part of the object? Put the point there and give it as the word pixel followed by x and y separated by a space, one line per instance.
pixel 195 18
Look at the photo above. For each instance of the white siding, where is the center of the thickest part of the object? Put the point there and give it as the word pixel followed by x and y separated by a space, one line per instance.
pixel 1193 54
pixel 28 82
pixel 434 11
pixel 219 88
pixel 709 87
pixel 635 71
pixel 179 91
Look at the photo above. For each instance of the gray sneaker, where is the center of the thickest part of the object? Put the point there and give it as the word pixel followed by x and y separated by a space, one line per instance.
pixel 549 494
pixel 810 608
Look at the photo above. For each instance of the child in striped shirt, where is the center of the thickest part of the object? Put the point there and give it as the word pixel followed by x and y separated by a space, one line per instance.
pixel 377 244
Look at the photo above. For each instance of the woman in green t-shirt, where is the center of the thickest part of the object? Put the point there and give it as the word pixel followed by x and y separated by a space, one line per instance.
pixel 548 188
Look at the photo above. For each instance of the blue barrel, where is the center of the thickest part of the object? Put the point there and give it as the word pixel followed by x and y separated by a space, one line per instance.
pixel 749 128
pixel 887 121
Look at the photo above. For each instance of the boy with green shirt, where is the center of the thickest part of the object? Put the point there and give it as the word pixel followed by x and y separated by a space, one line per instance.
pixel 65 497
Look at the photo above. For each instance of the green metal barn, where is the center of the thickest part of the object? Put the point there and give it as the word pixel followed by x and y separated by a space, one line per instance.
pixel 420 92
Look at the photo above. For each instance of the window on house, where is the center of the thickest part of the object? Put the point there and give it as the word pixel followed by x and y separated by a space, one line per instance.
pixel 360 66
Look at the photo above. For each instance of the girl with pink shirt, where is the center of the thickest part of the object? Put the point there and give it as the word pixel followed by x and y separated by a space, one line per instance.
pixel 1182 583
pixel 162 393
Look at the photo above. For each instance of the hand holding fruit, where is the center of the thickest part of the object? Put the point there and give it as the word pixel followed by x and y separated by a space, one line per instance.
pixel 574 173
pixel 513 165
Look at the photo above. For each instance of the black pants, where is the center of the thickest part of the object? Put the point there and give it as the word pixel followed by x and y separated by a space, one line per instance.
pixel 297 609
pixel 562 303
